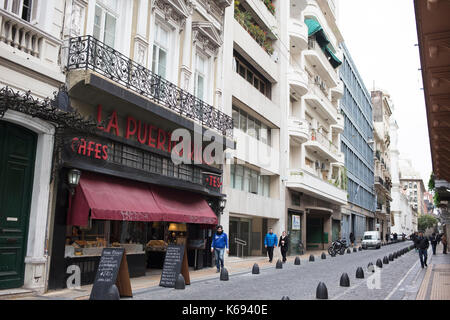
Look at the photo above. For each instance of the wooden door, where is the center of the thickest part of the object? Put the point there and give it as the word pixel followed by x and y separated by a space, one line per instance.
pixel 17 154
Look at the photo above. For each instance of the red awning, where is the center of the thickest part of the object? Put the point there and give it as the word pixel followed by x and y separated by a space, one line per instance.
pixel 111 198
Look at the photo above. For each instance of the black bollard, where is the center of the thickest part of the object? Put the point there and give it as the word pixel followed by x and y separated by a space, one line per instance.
pixel 360 273
pixel 360 249
pixel 179 283
pixel 311 258
pixel 379 263
pixel 348 250
pixel 323 256
pixel 297 261
pixel 322 291
pixel 385 260
pixel 370 267
pixel 255 269
pixel 224 275
pixel 279 264
pixel 285 298
pixel 355 250
pixel 345 281
pixel 391 257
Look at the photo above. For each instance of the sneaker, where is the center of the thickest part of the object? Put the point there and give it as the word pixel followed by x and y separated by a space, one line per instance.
pixel 218 270
pixel 426 264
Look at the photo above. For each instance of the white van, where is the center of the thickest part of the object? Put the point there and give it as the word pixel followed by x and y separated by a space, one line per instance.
pixel 371 239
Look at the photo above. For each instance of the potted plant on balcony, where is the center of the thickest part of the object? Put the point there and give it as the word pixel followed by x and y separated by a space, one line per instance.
pixel 269 6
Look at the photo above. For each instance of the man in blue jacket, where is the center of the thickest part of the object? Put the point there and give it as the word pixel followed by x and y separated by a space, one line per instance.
pixel 218 245
pixel 270 242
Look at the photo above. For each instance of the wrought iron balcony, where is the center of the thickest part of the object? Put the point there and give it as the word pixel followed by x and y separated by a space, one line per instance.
pixel 87 52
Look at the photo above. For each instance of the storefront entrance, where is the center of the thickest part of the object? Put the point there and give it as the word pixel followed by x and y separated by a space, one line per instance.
pixel 17 154
pixel 294 231
pixel 336 229
pixel 239 238
pixel 314 233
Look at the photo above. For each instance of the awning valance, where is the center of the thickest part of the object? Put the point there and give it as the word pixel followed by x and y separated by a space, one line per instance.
pixel 111 198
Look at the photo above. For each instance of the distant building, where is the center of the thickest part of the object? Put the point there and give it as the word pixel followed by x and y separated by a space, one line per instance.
pixel 413 186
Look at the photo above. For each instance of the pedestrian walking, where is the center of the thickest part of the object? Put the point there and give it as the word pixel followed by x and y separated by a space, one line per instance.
pixel 283 244
pixel 270 242
pixel 387 237
pixel 433 240
pixel 395 236
pixel 422 245
pixel 444 243
pixel 352 238
pixel 218 245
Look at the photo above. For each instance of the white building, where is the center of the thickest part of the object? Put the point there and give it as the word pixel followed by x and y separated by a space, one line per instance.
pixel 403 216
pixel 30 43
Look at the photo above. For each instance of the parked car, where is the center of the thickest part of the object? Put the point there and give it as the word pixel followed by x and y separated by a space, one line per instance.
pixel 371 239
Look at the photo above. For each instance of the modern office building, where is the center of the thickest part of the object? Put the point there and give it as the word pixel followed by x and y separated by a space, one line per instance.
pixel 357 145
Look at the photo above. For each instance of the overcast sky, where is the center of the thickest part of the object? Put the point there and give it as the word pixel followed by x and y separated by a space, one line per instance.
pixel 381 37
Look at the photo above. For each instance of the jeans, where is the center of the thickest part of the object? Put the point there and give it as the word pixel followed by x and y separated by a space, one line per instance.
pixel 270 252
pixel 445 249
pixel 423 255
pixel 218 254
pixel 283 253
pixel 434 248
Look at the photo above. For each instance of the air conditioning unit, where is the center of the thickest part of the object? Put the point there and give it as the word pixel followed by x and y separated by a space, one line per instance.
pixel 275 56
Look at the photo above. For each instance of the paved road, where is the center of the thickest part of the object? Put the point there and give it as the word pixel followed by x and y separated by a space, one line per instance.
pixel 400 279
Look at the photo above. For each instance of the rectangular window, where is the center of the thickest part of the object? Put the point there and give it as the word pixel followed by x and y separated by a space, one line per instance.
pixel 243 121
pixel 235 118
pixel 105 25
pixel 239 177
pixel 160 51
pixel 251 127
pixel 232 172
pixel 247 180
pixel 200 76
pixel 25 9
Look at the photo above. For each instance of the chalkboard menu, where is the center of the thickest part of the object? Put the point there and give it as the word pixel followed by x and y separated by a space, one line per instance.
pixel 172 265
pixel 112 263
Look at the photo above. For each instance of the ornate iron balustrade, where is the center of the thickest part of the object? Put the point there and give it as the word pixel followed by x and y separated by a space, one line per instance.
pixel 87 52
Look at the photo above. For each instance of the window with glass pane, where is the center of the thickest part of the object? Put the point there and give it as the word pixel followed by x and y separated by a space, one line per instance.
pixel 104 25
pixel 200 74
pixel 261 185
pixel 262 87
pixel 263 133
pixel 266 181
pixel 26 10
pixel 249 76
pixel 235 118
pixel 160 51
pixel 246 179
pixel 257 129
pixel 251 127
pixel 232 169
pixel 238 177
pixel 243 121
pixel 253 181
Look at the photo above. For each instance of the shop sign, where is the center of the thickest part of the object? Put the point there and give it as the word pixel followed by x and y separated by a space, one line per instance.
pixel 295 222
pixel 89 148
pixel 212 180
pixel 147 134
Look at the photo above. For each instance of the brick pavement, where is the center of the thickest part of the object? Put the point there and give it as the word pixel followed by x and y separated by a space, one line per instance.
pixel 436 283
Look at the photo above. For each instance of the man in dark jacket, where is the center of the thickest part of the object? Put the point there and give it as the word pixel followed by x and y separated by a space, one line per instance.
pixel 422 245
pixel 270 242
pixel 434 242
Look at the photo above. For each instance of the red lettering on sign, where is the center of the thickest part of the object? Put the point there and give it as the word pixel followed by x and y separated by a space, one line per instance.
pixel 105 152
pixel 140 139
pixel 160 146
pixel 151 141
pixel 113 123
pixel 99 117
pixel 130 122
pixel 98 150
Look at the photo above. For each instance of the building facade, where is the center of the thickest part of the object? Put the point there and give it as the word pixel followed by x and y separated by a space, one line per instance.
pixel 382 114
pixel 315 174
pixel 31 71
pixel 357 145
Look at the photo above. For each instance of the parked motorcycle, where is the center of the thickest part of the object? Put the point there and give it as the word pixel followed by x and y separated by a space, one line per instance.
pixel 338 246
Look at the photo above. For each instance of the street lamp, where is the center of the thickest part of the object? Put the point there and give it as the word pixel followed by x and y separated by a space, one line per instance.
pixel 222 204
pixel 73 178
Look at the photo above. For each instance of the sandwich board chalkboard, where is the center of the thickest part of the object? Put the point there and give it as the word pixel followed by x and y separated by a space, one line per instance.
pixel 175 262
pixel 112 269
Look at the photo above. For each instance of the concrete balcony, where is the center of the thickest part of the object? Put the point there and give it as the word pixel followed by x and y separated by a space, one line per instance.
pixel 339 126
pixel 318 100
pixel 303 181
pixel 338 91
pixel 29 46
pixel 256 152
pixel 316 57
pixel 298 130
pixel 298 81
pixel 262 15
pixel 298 35
pixel 254 53
pixel 320 144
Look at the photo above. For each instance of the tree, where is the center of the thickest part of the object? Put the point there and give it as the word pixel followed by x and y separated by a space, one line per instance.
pixel 426 221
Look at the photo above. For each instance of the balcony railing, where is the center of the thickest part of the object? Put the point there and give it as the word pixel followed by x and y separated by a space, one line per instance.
pixel 323 140
pixel 89 53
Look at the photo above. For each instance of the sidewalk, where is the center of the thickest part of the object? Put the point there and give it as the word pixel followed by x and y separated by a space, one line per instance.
pixel 436 283
pixel 233 265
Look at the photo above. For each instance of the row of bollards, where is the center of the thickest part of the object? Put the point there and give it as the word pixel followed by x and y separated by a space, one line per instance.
pixel 322 291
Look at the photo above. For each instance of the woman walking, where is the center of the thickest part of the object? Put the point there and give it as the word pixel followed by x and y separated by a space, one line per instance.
pixel 283 244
